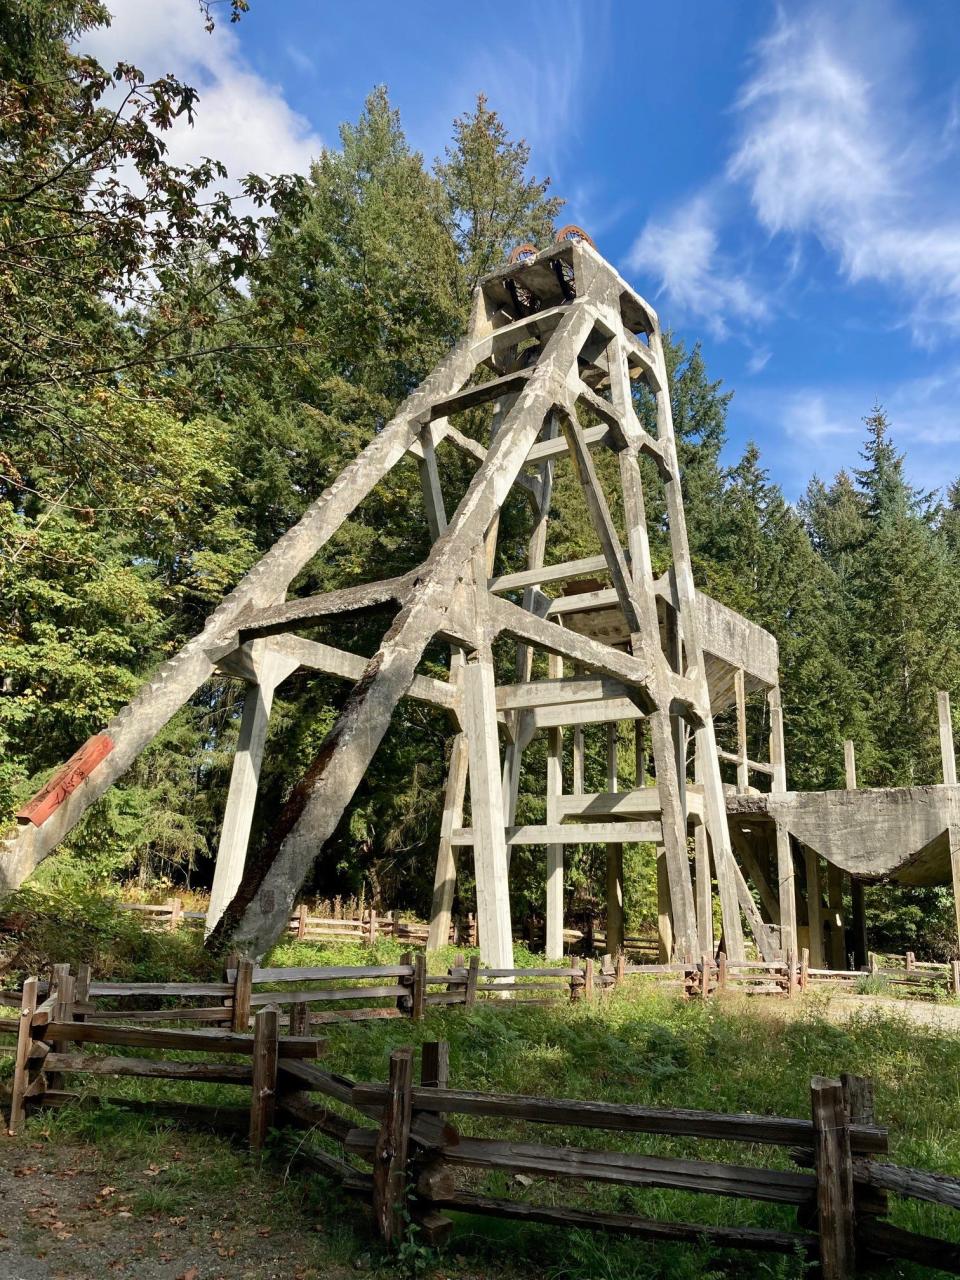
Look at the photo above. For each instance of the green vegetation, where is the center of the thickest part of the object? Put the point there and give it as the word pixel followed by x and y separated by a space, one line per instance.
pixel 149 453
pixel 636 1046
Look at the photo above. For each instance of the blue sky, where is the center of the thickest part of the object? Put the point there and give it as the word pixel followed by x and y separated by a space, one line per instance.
pixel 782 182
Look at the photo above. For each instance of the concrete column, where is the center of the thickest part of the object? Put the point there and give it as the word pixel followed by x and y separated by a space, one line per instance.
pixel 838 944
pixel 554 939
pixel 703 880
pixel 486 810
pixel 743 773
pixel 777 754
pixel 786 891
pixel 858 922
pixel 664 908
pixel 614 858
pixel 814 907
pixel 947 754
pixel 849 765
pixel 271 668
pixel 445 879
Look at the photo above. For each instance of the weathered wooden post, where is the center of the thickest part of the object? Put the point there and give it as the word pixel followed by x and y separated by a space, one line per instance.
pixel 266 1051
pixel 858 1100
pixel 473 973
pixel 302 913
pixel 588 988
pixel 909 962
pixel 242 993
pixel 834 1172
pixel 804 968
pixel 705 975
pixel 390 1152
pixel 621 971
pixel 62 989
pixel 299 1019
pixel 81 991
pixel 176 910
pixel 405 1002
pixel 28 1007
pixel 792 983
pixel 419 1002
pixel 372 928
pixel 722 971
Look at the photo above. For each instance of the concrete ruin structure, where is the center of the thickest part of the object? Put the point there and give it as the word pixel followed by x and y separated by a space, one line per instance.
pixel 543 376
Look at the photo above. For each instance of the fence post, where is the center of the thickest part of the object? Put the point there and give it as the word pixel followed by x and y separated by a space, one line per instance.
pixel 299 1019
pixel 242 991
pixel 621 966
pixel 390 1153
pixel 804 968
pixel 872 962
pixel 419 986
pixel 81 990
pixel 302 912
pixel 405 1002
pixel 704 975
pixel 834 1173
pixel 28 1007
pixel 176 910
pixel 792 984
pixel 909 961
pixel 62 1011
pixel 266 1050
pixel 473 973
pixel 722 971
pixel 858 1100
pixel 588 990
pixel 372 927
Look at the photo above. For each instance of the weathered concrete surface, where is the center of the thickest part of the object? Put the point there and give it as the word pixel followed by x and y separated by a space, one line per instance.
pixel 896 832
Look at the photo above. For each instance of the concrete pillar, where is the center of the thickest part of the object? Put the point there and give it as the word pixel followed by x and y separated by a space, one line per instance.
pixel 554 939
pixel 777 753
pixel 271 668
pixel 486 810
pixel 858 922
pixel 786 892
pixel 838 943
pixel 849 765
pixel 445 879
pixel 614 858
pixel 947 754
pixel 743 773
pixel 664 908
pixel 814 907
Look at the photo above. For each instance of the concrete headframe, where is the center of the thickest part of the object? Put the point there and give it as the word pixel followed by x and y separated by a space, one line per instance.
pixel 552 345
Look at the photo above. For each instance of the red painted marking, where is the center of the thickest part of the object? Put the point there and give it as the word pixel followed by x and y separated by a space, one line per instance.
pixel 49 798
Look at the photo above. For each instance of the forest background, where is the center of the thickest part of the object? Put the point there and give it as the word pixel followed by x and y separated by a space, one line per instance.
pixel 179 379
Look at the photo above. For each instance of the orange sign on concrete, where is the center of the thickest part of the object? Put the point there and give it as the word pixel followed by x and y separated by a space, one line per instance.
pixel 49 798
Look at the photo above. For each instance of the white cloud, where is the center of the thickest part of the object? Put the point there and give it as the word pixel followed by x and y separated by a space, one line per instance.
pixel 682 252
pixel 807 417
pixel 534 78
pixel 240 118
pixel 832 147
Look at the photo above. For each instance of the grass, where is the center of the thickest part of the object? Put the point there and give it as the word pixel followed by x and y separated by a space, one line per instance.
pixel 638 1046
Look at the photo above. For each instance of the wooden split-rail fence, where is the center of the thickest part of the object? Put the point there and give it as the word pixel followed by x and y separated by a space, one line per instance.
pixel 400 1149
pixel 368 926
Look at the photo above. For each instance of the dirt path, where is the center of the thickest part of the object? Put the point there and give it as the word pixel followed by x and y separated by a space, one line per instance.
pixel 922 1013
pixel 68 1217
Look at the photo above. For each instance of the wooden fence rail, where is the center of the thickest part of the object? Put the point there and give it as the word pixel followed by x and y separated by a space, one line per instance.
pixel 403 1130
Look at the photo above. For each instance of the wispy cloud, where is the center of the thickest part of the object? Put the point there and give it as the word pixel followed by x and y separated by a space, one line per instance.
pixel 240 119
pixel 535 78
pixel 833 148
pixel 830 147
pixel 681 251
